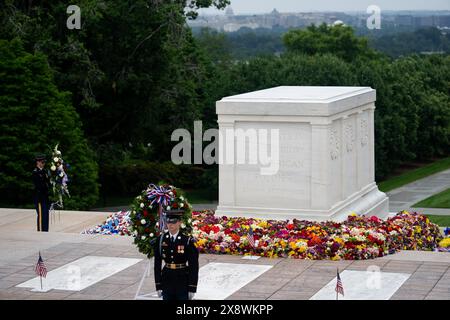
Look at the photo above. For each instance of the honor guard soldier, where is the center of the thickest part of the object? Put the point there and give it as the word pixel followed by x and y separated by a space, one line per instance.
pixel 41 183
pixel 178 279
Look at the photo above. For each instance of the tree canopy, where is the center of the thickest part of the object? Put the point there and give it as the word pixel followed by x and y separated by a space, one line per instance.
pixel 35 117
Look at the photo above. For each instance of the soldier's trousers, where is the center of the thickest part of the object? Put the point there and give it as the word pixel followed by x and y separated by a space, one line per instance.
pixel 182 295
pixel 42 207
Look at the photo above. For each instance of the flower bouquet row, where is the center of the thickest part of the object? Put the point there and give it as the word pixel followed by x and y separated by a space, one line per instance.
pixel 357 238
pixel 116 223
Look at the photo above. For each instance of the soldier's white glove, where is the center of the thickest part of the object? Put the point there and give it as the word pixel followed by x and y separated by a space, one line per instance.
pixel 159 292
pixel 191 295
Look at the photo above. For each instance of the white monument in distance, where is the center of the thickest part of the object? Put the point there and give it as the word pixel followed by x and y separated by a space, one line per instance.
pixel 326 154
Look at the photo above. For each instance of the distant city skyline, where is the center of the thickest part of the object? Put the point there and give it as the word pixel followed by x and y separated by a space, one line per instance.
pixel 266 6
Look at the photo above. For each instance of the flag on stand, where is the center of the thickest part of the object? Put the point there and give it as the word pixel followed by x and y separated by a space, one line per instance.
pixel 41 269
pixel 339 287
pixel 250 237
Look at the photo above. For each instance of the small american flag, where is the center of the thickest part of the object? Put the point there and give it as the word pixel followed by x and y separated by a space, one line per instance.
pixel 250 237
pixel 41 269
pixel 339 287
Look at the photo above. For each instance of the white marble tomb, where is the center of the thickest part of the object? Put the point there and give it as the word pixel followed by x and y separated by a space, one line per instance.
pixel 80 274
pixel 363 285
pixel 217 281
pixel 326 154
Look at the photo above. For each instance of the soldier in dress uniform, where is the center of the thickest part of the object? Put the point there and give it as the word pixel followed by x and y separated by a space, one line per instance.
pixel 41 182
pixel 178 279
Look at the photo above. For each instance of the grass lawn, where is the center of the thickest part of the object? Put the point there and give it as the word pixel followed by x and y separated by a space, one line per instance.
pixel 439 200
pixel 413 175
pixel 442 221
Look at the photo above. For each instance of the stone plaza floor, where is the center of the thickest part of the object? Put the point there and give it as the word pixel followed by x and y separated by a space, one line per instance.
pixel 428 273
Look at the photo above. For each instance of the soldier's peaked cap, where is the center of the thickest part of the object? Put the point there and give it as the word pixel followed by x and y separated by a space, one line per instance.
pixel 173 215
pixel 39 157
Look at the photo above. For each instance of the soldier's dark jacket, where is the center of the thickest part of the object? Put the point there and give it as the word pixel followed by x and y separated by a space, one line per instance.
pixel 41 182
pixel 182 251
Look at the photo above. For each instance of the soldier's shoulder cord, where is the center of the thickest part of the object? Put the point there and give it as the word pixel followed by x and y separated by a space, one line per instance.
pixel 191 239
pixel 161 236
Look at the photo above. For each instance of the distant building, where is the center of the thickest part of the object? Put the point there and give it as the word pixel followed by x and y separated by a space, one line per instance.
pixel 338 23
pixel 232 27
pixel 229 11
pixel 230 22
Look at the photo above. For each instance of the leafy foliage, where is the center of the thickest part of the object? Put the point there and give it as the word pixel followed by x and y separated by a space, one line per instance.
pixel 144 218
pixel 35 117
pixel 339 40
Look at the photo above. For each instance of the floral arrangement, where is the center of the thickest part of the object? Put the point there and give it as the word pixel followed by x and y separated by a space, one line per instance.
pixel 357 238
pixel 116 223
pixel 147 217
pixel 444 245
pixel 58 176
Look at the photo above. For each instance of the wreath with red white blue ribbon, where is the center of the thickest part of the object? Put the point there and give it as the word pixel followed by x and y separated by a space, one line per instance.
pixel 147 217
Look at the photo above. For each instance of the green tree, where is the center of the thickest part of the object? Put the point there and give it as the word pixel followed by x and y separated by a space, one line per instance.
pixel 35 117
pixel 134 69
pixel 339 40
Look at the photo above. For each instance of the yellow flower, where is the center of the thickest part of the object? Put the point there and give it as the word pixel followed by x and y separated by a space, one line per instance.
pixel 217 247
pixel 263 224
pixel 445 243
pixel 335 258
pixel 302 249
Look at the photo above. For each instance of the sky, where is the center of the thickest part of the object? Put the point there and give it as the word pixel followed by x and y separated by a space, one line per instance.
pixel 265 6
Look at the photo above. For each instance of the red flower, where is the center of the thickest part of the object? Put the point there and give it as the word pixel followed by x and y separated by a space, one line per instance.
pixel 145 213
pixel 235 237
pixel 314 240
pixel 290 226
pixel 175 205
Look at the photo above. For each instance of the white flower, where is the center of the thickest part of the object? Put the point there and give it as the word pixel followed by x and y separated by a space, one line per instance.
pixel 183 226
pixel 182 205
pixel 151 234
pixel 53 168
pixel 143 221
pixel 55 159
pixel 58 153
pixel 168 208
pixel 171 193
pixel 135 232
pixel 142 205
pixel 182 198
pixel 61 174
pixel 157 224
pixel 143 237
pixel 189 220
